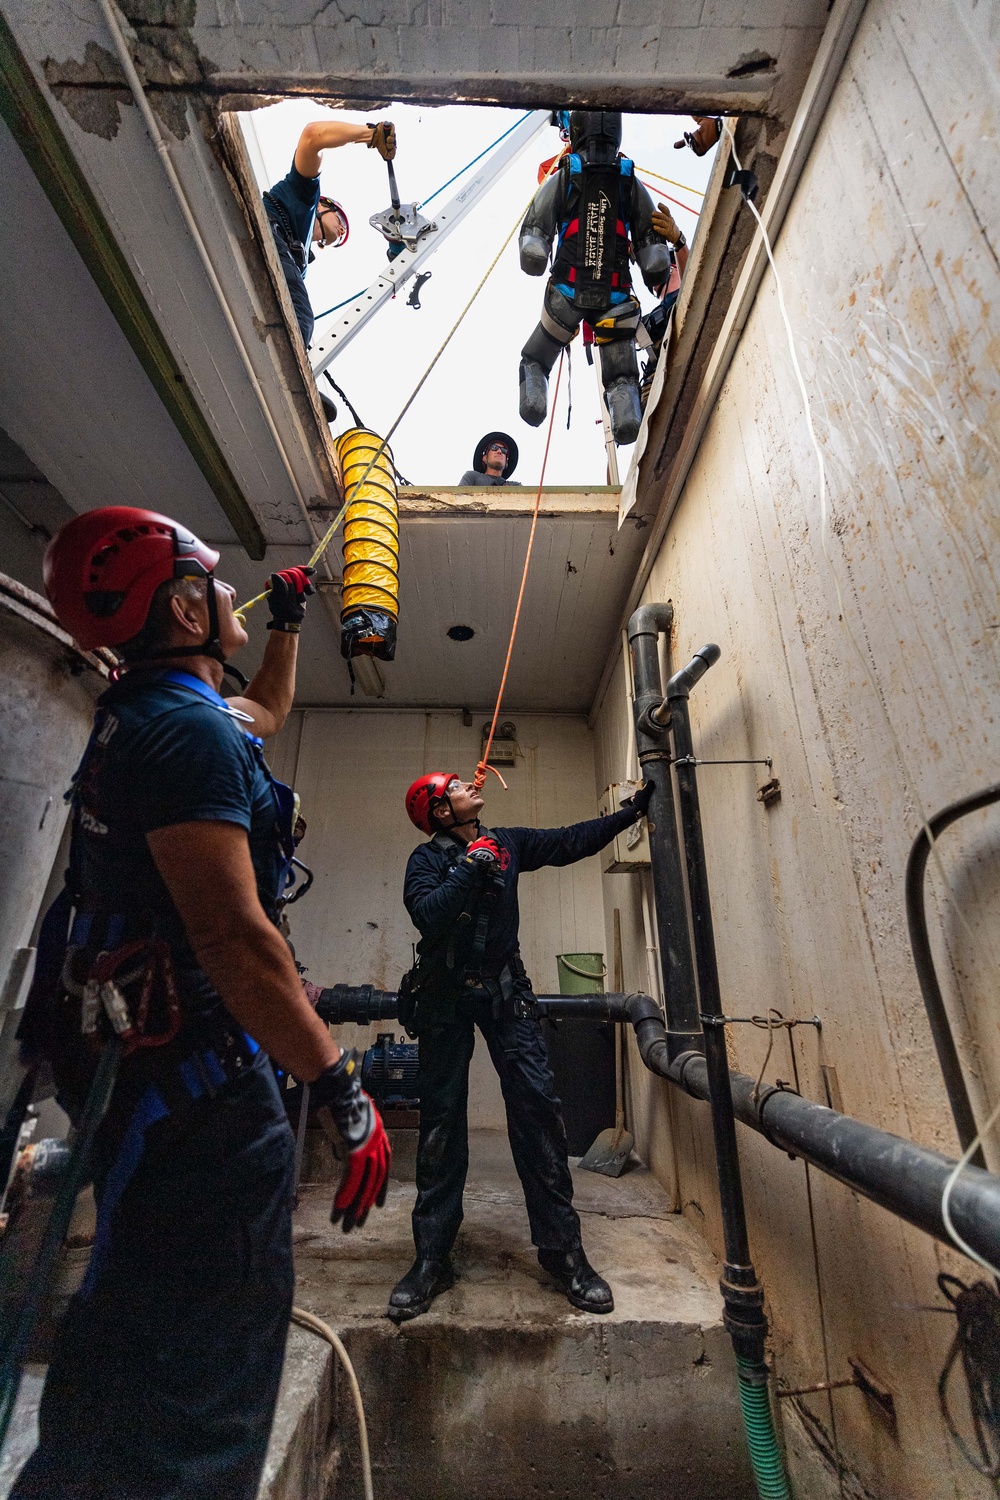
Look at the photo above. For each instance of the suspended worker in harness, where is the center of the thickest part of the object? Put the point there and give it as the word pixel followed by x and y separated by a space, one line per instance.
pixel 594 204
pixel 166 1367
pixel 461 894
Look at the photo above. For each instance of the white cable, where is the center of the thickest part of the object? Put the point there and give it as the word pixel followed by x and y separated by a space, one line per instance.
pixel 316 1325
pixel 156 136
pixel 909 780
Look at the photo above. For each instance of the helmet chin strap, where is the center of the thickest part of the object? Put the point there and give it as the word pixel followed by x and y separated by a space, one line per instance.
pixel 210 647
pixel 455 823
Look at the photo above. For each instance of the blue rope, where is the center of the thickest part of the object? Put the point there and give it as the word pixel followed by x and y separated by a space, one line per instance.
pixel 461 171
pixel 339 305
pixel 472 163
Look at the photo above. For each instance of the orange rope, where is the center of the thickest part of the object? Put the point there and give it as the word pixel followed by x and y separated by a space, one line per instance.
pixel 479 780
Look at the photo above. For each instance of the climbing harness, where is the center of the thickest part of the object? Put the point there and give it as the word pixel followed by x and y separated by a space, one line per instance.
pixel 592 251
pixel 479 780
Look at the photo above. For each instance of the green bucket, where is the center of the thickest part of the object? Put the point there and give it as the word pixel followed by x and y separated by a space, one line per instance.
pixel 581 973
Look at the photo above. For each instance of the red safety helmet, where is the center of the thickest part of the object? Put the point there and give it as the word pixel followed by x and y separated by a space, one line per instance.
pixel 102 569
pixel 425 794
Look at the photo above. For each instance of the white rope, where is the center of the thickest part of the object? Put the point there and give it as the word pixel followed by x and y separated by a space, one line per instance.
pixel 316 1325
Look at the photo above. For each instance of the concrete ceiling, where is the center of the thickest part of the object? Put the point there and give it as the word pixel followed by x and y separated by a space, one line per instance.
pixel 747 56
pixel 460 564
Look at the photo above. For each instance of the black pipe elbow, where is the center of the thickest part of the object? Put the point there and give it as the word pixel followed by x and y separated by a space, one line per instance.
pixel 646 1020
pixel 682 682
pixel 651 619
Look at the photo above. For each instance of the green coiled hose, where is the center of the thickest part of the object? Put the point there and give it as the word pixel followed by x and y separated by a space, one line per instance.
pixel 765 1455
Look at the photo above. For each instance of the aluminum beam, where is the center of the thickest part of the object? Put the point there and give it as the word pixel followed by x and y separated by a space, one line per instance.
pixel 350 320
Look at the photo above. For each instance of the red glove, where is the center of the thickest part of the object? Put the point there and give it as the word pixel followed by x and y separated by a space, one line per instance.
pixel 287 594
pixel 366 1175
pixel 489 844
pixel 484 855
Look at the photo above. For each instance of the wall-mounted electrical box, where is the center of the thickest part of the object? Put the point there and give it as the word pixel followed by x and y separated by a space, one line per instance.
pixel 503 751
pixel 627 851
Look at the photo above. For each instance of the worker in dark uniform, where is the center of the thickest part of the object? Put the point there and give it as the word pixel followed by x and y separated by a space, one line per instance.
pixel 165 1374
pixel 461 894
pixel 600 214
pixel 301 219
pixel 494 462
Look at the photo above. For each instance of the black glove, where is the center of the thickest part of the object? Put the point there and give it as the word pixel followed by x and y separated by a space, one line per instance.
pixel 287 594
pixel 639 800
pixel 365 1178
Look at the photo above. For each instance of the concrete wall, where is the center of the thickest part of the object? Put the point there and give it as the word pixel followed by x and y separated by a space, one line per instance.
pixel 351 769
pixel 889 262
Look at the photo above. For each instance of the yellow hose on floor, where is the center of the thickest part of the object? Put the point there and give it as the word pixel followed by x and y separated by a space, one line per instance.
pixel 370 607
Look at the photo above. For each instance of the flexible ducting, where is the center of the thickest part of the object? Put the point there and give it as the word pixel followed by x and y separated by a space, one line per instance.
pixel 370 606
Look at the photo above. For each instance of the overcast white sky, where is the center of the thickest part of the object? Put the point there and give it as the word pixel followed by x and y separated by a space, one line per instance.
pixel 474 387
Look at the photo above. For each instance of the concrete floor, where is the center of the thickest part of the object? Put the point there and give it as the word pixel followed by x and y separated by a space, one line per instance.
pixel 503 1390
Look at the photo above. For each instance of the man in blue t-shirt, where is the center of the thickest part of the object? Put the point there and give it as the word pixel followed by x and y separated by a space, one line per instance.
pixel 302 220
pixel 163 950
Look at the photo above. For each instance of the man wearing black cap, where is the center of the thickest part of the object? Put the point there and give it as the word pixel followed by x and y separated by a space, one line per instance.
pixel 494 462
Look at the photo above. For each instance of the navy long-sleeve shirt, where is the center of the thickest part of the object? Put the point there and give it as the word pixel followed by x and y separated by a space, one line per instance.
pixel 439 886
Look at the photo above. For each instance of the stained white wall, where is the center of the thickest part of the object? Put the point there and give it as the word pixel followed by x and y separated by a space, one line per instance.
pixel 892 280
pixel 351 769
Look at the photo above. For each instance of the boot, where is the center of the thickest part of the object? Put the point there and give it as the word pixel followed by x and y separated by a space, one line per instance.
pixel 425 1280
pixel 625 409
pixel 575 1276
pixel 534 393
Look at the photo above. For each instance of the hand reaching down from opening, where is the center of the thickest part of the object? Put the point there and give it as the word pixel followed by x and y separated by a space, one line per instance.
pixel 365 1180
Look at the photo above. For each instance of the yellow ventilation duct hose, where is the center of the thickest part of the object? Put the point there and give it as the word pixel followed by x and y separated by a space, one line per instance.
pixel 370 606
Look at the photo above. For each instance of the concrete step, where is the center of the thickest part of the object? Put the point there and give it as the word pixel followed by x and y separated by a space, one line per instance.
pixel 503 1390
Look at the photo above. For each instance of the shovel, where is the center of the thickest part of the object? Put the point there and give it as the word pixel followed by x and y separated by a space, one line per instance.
pixel 613 1147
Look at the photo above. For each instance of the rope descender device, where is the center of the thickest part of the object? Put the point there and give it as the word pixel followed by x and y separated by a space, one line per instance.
pixel 400 223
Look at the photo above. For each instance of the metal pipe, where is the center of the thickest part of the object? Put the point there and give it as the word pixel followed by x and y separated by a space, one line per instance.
pixel 742 1293
pixel 920 943
pixel 905 1179
pixel 644 629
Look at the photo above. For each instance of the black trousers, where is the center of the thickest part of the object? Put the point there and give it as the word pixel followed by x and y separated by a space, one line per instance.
pixel 166 1369
pixel 534 1125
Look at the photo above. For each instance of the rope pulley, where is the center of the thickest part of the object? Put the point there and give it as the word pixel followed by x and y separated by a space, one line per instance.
pixel 370 607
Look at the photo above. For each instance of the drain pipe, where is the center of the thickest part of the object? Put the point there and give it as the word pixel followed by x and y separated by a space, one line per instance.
pixel 646 625
pixel 742 1293
pixel 905 1179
